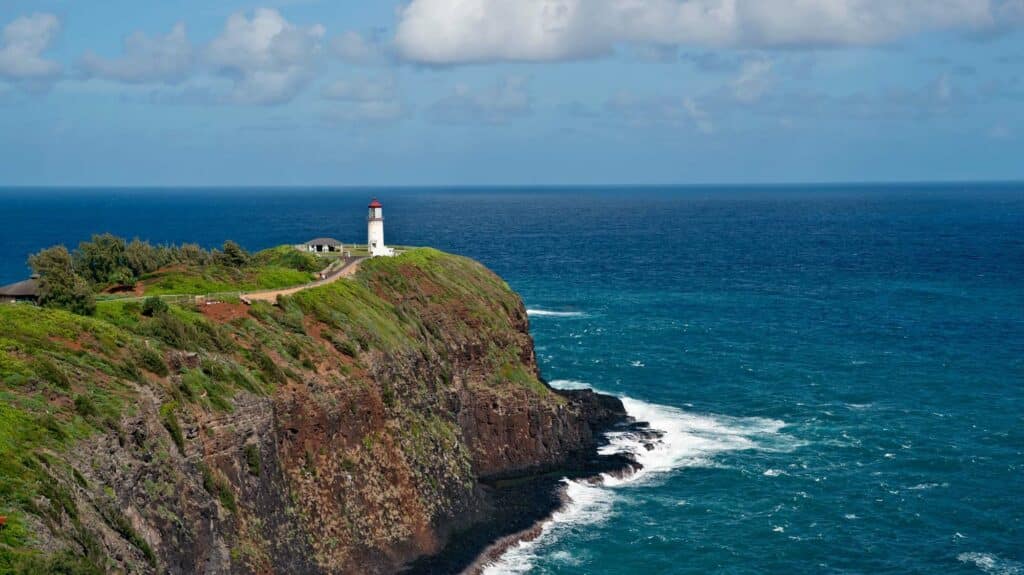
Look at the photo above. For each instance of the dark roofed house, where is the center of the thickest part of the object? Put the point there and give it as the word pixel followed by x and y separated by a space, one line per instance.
pixel 321 245
pixel 27 290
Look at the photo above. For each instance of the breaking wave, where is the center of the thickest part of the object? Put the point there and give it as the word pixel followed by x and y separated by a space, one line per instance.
pixel 547 313
pixel 686 440
pixel 991 564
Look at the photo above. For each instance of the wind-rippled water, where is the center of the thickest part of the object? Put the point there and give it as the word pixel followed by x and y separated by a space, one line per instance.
pixel 839 371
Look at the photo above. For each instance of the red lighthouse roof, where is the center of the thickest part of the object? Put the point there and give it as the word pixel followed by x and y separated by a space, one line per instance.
pixel 375 204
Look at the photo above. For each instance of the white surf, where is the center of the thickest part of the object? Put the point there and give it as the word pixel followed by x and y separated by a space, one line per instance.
pixel 687 440
pixel 547 313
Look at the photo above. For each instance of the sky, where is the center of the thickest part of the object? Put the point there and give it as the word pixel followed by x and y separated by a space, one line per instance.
pixel 509 92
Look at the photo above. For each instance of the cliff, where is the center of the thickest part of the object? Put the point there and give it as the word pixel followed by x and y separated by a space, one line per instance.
pixel 392 420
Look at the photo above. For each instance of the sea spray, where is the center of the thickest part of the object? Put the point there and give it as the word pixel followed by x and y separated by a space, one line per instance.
pixel 681 439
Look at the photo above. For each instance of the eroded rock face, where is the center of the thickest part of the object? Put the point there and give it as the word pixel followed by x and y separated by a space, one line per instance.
pixel 380 439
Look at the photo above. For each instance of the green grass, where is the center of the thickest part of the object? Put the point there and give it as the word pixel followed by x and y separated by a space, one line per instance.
pixel 217 279
pixel 64 377
pixel 279 267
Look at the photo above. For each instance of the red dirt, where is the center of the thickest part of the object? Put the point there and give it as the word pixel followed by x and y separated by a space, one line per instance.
pixel 74 345
pixel 225 312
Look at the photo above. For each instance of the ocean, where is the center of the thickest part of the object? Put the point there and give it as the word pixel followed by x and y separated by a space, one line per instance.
pixel 838 370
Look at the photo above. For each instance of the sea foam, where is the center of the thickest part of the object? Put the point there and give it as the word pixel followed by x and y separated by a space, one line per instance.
pixel 991 564
pixel 686 440
pixel 547 313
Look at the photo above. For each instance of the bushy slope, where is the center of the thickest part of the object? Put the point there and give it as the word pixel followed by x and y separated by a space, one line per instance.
pixel 351 422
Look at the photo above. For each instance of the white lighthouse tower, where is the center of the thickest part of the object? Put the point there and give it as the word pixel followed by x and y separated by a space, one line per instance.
pixel 375 231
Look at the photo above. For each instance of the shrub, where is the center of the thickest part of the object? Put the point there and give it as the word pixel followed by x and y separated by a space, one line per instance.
pixel 233 255
pixel 151 360
pixel 153 306
pixel 85 406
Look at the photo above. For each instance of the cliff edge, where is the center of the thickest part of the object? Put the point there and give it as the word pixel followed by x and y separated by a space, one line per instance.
pixel 395 420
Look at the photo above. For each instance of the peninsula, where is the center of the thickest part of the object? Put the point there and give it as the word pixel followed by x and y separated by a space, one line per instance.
pixel 390 419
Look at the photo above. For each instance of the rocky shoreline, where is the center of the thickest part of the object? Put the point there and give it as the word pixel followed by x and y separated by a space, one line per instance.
pixel 520 504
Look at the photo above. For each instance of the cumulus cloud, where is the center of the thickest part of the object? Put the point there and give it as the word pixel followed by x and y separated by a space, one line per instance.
pixel 167 59
pixel 21 50
pixel 502 102
pixel 268 59
pixel 465 31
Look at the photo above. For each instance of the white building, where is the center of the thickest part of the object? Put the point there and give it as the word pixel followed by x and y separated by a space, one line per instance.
pixel 322 245
pixel 375 231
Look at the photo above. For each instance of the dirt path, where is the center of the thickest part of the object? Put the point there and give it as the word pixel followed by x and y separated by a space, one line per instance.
pixel 271 295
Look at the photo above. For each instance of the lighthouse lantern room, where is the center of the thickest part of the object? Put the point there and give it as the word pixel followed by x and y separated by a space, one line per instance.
pixel 375 231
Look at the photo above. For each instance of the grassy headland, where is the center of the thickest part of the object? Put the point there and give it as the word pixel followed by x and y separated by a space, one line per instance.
pixel 68 378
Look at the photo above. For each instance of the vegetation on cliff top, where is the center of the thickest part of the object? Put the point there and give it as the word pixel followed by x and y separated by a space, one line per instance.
pixel 65 378
pixel 72 279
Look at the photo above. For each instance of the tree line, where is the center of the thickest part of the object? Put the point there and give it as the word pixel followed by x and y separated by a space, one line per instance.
pixel 70 279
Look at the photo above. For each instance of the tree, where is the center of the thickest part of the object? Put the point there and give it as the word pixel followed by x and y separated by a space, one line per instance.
pixel 191 254
pixel 59 285
pixel 102 260
pixel 234 256
pixel 142 258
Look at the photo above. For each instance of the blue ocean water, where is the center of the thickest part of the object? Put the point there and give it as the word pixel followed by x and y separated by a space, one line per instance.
pixel 839 370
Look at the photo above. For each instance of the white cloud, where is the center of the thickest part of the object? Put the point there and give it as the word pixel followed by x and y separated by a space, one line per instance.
pixel 269 59
pixel 168 59
pixel 506 100
pixel 464 31
pixel 754 80
pixel 22 46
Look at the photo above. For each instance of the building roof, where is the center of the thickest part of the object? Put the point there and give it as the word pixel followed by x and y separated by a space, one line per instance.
pixel 27 288
pixel 324 242
pixel 375 204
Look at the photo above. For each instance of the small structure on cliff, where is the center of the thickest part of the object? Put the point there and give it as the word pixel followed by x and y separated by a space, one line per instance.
pixel 375 231
pixel 322 245
pixel 23 291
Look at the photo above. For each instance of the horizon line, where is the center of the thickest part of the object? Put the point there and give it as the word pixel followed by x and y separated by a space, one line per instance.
pixel 826 183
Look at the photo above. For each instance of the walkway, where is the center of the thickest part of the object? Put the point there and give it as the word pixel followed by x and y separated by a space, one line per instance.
pixel 350 267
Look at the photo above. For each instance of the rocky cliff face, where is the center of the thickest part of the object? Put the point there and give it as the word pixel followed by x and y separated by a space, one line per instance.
pixel 355 428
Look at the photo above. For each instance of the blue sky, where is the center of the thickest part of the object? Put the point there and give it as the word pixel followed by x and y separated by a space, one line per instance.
pixel 307 92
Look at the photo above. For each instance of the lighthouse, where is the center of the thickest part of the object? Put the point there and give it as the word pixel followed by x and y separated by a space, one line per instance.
pixel 375 231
